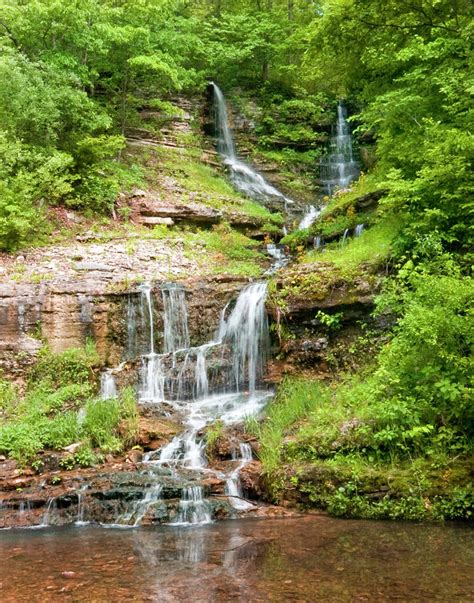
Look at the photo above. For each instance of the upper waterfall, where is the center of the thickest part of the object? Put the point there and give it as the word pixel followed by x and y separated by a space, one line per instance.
pixel 339 168
pixel 243 176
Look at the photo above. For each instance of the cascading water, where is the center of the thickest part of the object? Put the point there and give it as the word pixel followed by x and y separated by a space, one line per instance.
pixel 310 216
pixel 108 388
pixel 181 376
pixel 359 229
pixel 233 488
pixel 277 252
pixel 344 237
pixel 243 176
pixel 339 168
pixel 175 331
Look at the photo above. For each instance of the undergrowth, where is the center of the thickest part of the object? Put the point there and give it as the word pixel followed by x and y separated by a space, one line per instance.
pixel 60 407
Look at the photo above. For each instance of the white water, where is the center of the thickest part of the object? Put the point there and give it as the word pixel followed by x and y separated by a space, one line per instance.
pixel 233 487
pixel 108 388
pixel 181 377
pixel 193 508
pixel 139 509
pixel 145 291
pixel 344 237
pixel 359 229
pixel 339 168
pixel 310 216
pixel 175 317
pixel 277 252
pixel 243 176
pixel 81 505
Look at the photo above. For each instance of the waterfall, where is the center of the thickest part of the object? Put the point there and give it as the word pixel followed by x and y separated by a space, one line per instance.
pixel 139 509
pixel 318 242
pixel 182 372
pixel 244 178
pixel 310 216
pixel 147 303
pixel 193 509
pixel 182 377
pixel 81 505
pixel 233 488
pixel 247 333
pixel 338 168
pixel 344 237
pixel 108 388
pixel 359 229
pixel 277 252
pixel 175 317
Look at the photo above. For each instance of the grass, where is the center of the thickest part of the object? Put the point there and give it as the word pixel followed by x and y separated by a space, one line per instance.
pixel 226 251
pixel 295 399
pixel 320 448
pixel 203 184
pixel 60 407
pixel 373 247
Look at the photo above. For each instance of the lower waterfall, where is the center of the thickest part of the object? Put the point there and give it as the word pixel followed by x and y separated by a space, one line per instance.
pixel 220 380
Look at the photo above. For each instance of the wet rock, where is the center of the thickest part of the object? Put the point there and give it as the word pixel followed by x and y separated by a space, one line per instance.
pixel 252 481
pixel 135 456
pixel 154 433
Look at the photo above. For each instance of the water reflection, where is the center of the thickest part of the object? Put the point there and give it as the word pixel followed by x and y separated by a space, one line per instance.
pixel 301 559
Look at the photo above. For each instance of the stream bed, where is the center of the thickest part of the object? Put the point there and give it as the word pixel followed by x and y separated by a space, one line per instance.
pixel 311 558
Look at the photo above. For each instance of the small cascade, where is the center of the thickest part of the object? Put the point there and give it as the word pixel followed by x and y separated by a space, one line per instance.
pixel 51 506
pixel 359 229
pixel 81 505
pixel 247 334
pixel 233 487
pixel 193 508
pixel 108 388
pixel 243 176
pixel 344 237
pixel 318 242
pixel 310 216
pixel 339 168
pixel 277 252
pixel 201 379
pixel 175 317
pixel 147 309
pixel 140 508
pixel 25 507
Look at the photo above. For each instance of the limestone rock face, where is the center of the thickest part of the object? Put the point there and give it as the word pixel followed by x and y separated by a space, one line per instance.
pixel 66 312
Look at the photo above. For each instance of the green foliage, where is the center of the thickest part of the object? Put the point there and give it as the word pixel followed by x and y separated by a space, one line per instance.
pixel 295 398
pixel 331 321
pixel 47 416
pixel 74 366
pixel 372 248
pixel 102 418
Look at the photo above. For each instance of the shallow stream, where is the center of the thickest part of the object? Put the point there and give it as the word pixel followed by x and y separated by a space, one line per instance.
pixel 312 558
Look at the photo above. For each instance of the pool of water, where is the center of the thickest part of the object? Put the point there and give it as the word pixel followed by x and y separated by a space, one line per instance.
pixel 312 558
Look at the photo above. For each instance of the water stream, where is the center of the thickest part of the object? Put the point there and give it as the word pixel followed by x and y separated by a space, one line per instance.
pixel 339 168
pixel 181 377
pixel 306 559
pixel 243 176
